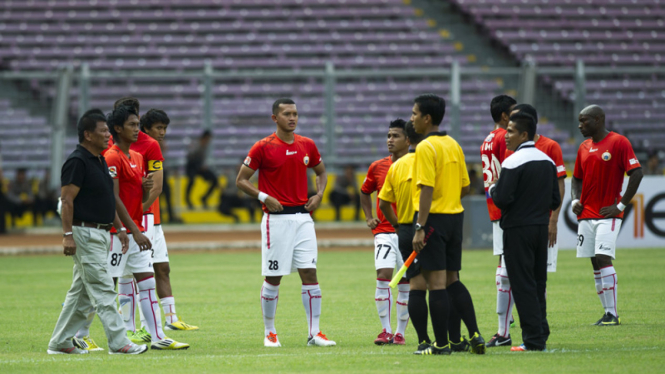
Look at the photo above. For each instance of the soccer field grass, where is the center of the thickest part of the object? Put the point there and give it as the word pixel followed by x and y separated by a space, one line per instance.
pixel 220 293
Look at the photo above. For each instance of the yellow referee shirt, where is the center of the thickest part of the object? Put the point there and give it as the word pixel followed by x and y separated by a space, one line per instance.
pixel 439 163
pixel 397 188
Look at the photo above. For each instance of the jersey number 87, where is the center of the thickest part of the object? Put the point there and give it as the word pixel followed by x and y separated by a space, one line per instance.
pixel 491 169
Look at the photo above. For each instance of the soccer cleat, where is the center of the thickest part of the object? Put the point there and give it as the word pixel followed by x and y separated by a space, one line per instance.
pixel 477 344
pixel 600 321
pixel 130 349
pixel 398 339
pixel 610 320
pixel 180 325
pixel 168 344
pixel 271 340
pixel 383 338
pixel 498 340
pixel 320 340
pixel 433 350
pixel 67 351
pixel 512 321
pixel 421 347
pixel 519 348
pixel 140 336
pixel 86 343
pixel 462 346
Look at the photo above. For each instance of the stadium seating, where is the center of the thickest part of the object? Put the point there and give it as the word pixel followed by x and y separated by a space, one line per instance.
pixel 607 33
pixel 180 35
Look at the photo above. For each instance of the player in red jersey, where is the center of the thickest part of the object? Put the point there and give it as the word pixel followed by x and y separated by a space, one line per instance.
pixel 492 154
pixel 597 181
pixel 127 170
pixel 288 239
pixel 386 245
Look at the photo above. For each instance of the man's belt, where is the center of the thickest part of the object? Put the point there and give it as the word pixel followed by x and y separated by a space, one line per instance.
pixel 102 226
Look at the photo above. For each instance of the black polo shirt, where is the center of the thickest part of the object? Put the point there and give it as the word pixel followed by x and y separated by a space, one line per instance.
pixel 95 201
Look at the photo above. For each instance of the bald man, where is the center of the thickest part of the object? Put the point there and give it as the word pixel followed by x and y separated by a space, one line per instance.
pixel 602 160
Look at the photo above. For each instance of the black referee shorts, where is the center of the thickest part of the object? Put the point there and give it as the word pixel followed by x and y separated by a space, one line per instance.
pixel 405 238
pixel 443 247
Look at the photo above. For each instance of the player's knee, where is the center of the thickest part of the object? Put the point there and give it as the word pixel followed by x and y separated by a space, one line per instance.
pixel 308 275
pixel 384 273
pixel 603 261
pixel 162 271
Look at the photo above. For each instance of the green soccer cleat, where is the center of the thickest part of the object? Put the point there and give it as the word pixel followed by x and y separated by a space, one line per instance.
pixel 180 325
pixel 477 344
pixel 610 320
pixel 140 336
pixel 461 346
pixel 434 350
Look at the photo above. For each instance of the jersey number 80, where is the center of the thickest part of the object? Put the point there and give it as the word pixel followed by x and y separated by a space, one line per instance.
pixel 491 169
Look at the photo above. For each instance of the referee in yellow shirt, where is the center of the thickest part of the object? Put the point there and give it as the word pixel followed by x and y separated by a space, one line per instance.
pixel 439 181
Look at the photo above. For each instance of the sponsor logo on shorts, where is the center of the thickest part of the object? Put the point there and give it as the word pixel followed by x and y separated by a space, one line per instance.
pixel 314 261
pixel 604 248
pixel 606 156
pixel 113 171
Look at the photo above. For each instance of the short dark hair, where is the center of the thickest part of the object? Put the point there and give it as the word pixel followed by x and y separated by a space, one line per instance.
pixel 88 122
pixel 524 122
pixel 278 102
pixel 528 109
pixel 206 134
pixel 433 105
pixel 153 116
pixel 398 124
pixel 118 117
pixel 501 104
pixel 127 101
pixel 412 135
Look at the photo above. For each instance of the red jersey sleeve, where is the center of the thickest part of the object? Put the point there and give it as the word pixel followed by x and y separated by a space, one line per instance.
pixel 500 144
pixel 254 157
pixel 314 155
pixel 579 172
pixel 557 156
pixel 628 159
pixel 369 185
pixel 113 162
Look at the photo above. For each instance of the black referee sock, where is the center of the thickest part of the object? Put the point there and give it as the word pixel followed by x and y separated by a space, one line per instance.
pixel 439 308
pixel 461 299
pixel 454 323
pixel 418 314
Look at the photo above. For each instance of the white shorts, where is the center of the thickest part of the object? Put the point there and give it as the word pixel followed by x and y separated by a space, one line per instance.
pixel 386 252
pixel 552 255
pixel 155 233
pixel 132 262
pixel 288 243
pixel 497 238
pixel 597 237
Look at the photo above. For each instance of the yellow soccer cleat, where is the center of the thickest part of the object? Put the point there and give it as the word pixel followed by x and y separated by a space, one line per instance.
pixel 180 325
pixel 168 344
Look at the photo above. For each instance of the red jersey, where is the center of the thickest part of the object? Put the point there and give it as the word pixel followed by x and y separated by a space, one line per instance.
pixel 152 161
pixel 376 175
pixel 492 154
pixel 129 173
pixel 283 167
pixel 601 167
pixel 553 150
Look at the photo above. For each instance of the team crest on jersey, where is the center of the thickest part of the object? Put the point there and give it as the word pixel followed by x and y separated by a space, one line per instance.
pixel 606 156
pixel 306 159
pixel 489 137
pixel 248 161
pixel 113 171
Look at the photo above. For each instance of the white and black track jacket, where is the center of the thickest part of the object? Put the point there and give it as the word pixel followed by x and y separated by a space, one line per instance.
pixel 527 189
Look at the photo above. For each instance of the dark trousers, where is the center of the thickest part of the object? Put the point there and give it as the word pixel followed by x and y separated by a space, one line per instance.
pixel 525 251
pixel 338 199
pixel 229 201
pixel 206 174
pixel 166 196
pixel 3 211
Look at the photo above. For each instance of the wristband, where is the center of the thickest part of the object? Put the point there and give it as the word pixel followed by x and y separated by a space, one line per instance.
pixel 263 196
pixel 67 234
pixel 572 204
pixel 123 229
pixel 620 206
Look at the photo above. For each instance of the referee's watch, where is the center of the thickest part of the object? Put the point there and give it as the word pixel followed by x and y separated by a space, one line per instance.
pixel 419 227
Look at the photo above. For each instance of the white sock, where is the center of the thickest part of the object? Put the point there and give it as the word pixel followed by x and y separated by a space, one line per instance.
pixel 609 280
pixel 311 300
pixel 402 306
pixel 127 302
pixel 269 299
pixel 599 288
pixel 150 308
pixel 85 330
pixel 504 301
pixel 168 306
pixel 144 324
pixel 383 299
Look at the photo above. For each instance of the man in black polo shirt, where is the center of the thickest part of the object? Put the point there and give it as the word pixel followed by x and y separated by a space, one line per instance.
pixel 88 213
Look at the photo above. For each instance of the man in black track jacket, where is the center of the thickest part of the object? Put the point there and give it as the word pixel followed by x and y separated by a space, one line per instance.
pixel 526 192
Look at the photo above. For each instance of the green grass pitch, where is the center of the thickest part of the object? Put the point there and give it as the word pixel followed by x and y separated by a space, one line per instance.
pixel 220 293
